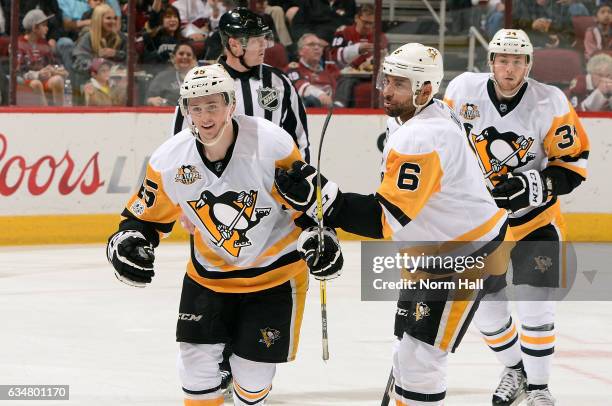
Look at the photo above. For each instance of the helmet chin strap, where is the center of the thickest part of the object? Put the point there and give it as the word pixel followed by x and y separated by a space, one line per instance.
pixel 517 88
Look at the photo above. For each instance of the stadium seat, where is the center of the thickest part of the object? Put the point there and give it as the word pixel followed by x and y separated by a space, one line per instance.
pixel 581 23
pixel 556 66
pixel 276 56
pixel 362 95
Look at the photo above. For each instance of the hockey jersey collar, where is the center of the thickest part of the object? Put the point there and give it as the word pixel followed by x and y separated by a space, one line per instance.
pixel 218 167
pixel 505 107
pixel 251 73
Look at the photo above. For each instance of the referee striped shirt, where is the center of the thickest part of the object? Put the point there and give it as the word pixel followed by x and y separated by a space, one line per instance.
pixel 271 96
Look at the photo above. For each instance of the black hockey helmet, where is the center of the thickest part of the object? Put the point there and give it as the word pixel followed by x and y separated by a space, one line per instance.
pixel 242 23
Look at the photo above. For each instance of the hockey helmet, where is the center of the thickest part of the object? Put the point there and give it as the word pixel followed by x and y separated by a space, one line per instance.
pixel 242 24
pixel 416 62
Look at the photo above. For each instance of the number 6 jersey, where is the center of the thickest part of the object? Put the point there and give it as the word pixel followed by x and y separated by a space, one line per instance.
pixel 537 129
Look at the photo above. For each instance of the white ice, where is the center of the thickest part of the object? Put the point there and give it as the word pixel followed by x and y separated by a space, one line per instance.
pixel 65 319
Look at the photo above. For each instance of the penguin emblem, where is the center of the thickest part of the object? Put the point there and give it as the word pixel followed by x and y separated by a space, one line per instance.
pixel 228 217
pixel 499 153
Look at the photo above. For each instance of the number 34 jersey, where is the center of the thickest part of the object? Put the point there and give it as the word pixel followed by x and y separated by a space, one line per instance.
pixel 244 239
pixel 432 188
pixel 538 128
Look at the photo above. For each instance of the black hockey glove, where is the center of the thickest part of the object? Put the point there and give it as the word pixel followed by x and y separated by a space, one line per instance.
pixel 132 257
pixel 298 188
pixel 329 265
pixel 519 191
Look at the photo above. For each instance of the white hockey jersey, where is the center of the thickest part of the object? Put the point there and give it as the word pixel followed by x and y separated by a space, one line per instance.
pixel 538 129
pixel 245 240
pixel 431 188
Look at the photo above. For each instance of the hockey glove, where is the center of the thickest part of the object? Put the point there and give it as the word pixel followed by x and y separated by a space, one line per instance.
pixel 298 187
pixel 329 265
pixel 132 257
pixel 519 191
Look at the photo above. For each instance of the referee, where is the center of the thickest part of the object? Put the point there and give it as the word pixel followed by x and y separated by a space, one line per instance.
pixel 261 90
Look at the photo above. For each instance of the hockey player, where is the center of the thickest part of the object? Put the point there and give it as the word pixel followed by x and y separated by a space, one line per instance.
pixel 261 90
pixel 531 148
pixel 245 280
pixel 431 190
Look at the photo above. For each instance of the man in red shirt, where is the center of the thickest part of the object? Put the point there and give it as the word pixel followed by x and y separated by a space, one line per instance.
pixel 314 81
pixel 353 46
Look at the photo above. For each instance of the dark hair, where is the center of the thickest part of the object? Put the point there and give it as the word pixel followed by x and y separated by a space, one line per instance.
pixel 367 9
pixel 171 10
pixel 186 44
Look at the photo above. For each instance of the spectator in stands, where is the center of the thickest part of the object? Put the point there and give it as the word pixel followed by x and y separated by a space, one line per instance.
pixel 199 17
pixel 353 48
pixel 101 90
pixel 599 37
pixel 37 65
pixel 593 91
pixel 160 42
pixel 495 17
pixel 547 22
pixel 277 14
pixel 314 79
pixel 315 16
pixel 165 87
pixel 73 10
pixel 345 11
pixel 57 38
pixel 103 40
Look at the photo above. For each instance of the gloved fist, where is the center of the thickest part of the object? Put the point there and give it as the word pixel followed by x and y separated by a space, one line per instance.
pixel 298 187
pixel 330 261
pixel 515 192
pixel 132 257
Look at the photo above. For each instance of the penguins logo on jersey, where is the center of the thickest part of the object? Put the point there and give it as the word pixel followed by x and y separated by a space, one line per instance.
pixel 267 97
pixel 187 174
pixel 229 217
pixel 469 111
pixel 499 153
pixel 269 336
pixel 543 263
pixel 422 310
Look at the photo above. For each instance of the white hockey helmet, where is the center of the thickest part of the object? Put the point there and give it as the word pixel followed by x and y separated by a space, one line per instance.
pixel 514 42
pixel 508 41
pixel 416 62
pixel 204 81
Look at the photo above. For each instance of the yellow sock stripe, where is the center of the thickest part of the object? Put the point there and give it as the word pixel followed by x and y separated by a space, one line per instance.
pixel 251 395
pixel 538 340
pixel 499 340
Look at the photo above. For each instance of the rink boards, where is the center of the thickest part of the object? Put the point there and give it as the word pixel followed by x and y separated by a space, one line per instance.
pixel 65 176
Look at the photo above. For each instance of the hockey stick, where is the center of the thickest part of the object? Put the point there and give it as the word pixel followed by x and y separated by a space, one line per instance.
pixel 386 396
pixel 322 284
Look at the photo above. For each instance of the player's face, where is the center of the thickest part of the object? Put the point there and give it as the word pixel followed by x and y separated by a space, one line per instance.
pixel 509 70
pixel 209 114
pixel 397 94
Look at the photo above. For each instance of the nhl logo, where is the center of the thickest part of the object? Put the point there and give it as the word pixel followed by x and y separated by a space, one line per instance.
pixel 187 174
pixel 422 311
pixel 267 97
pixel 469 111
